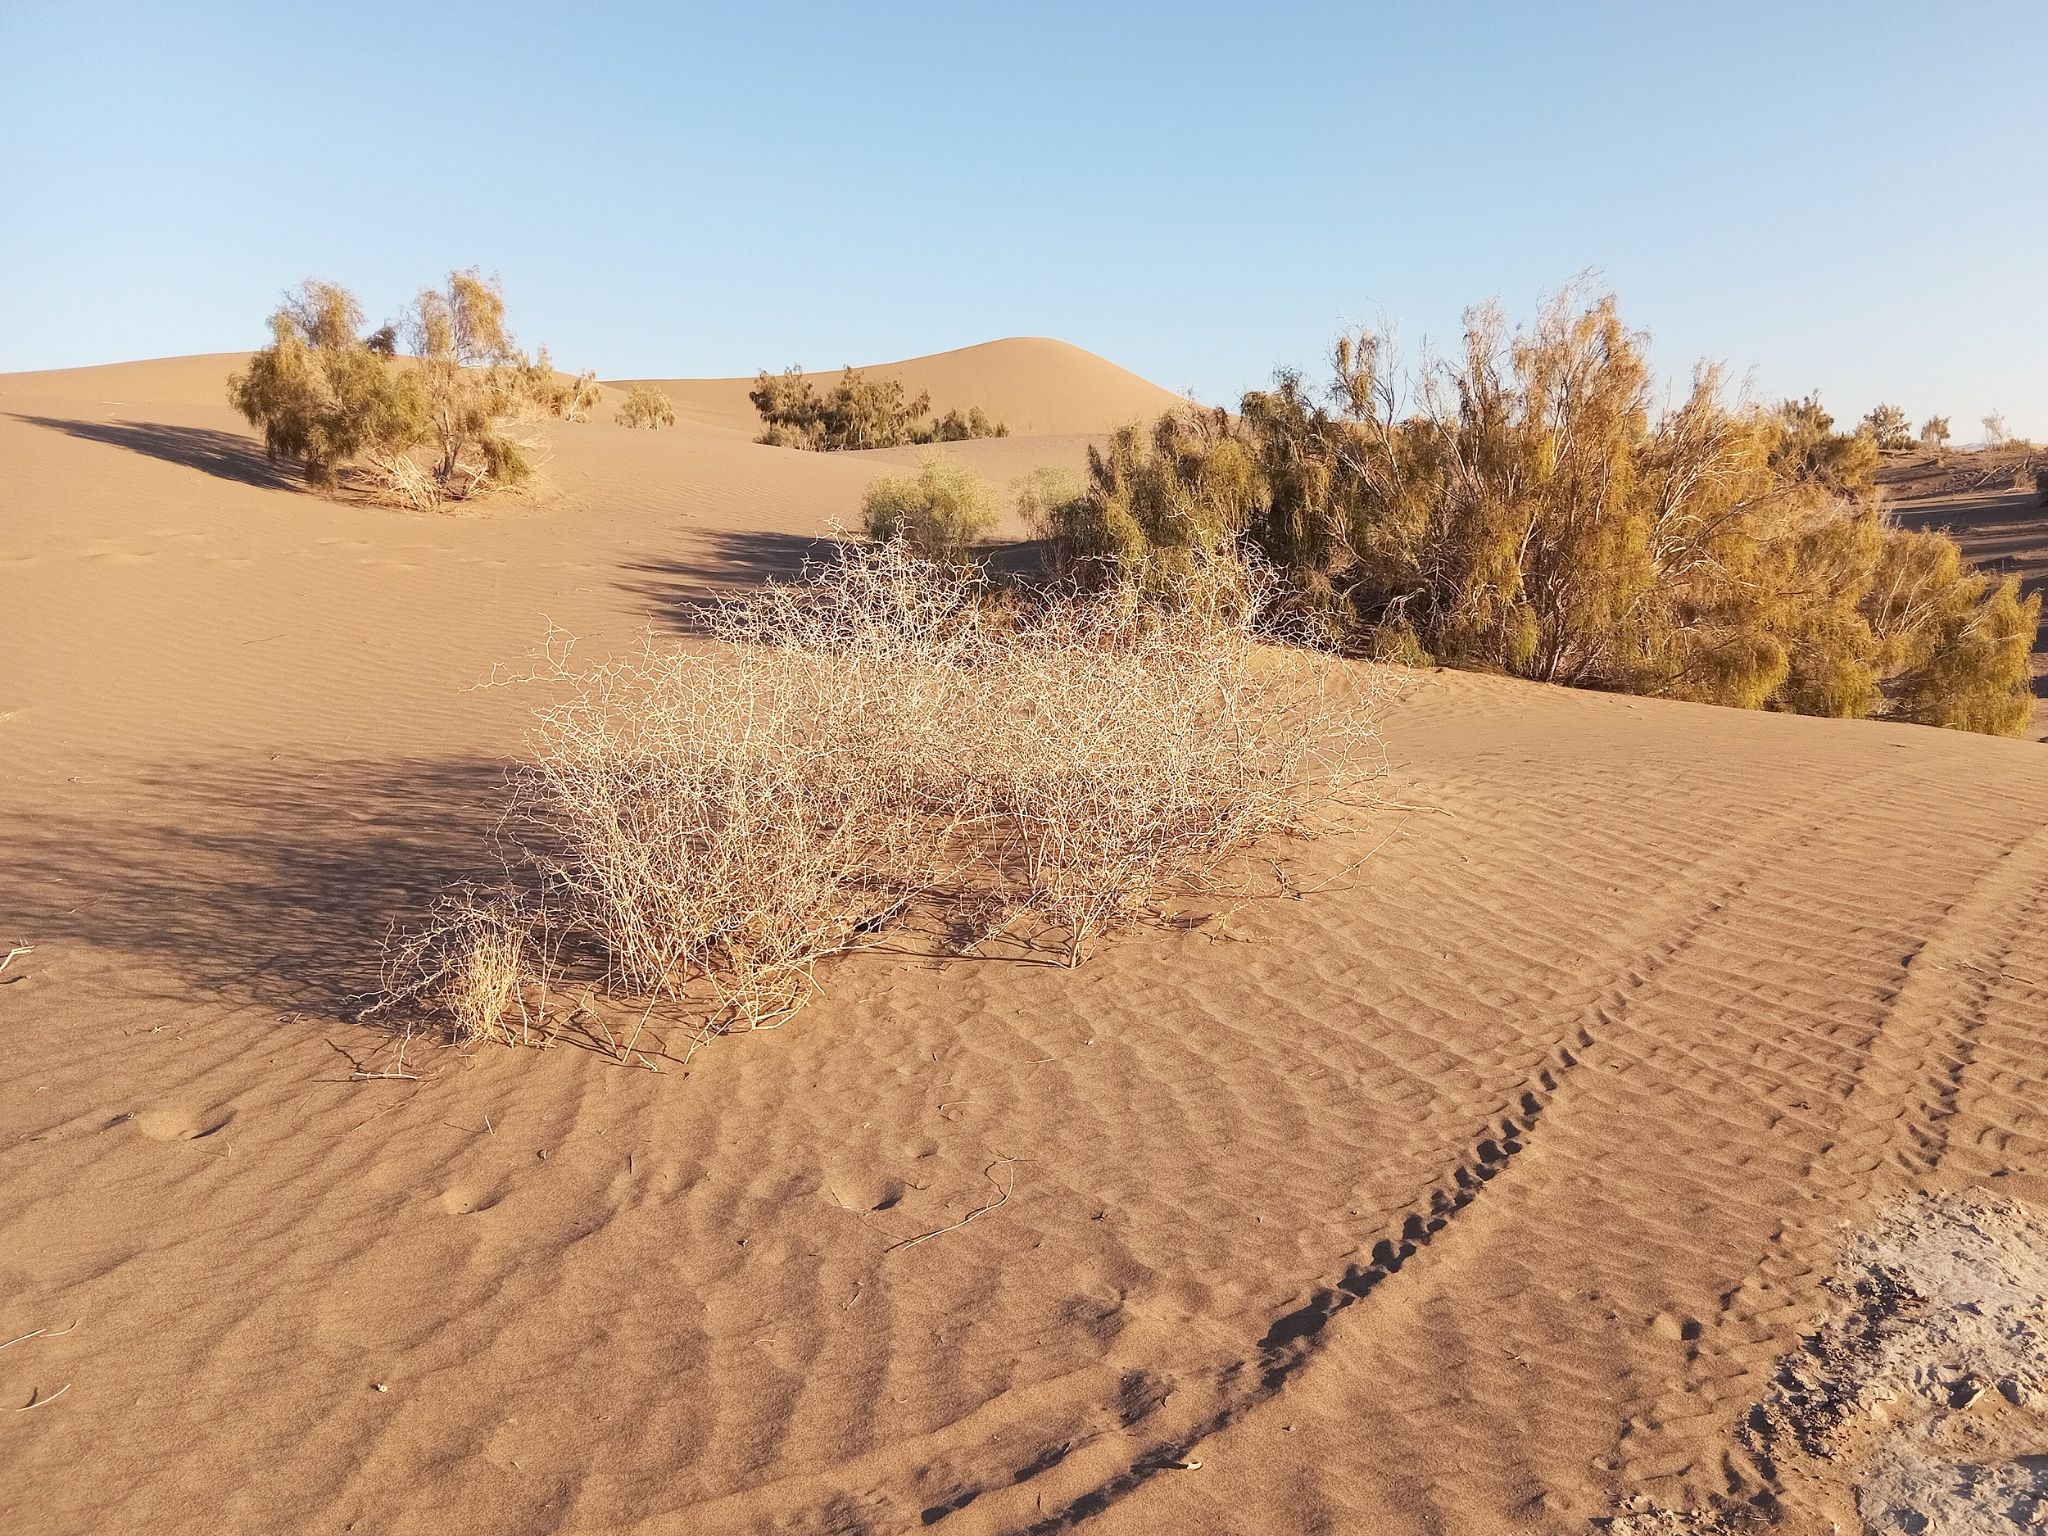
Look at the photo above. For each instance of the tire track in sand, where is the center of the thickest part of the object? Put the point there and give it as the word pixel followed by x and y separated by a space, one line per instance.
pixel 1666 930
pixel 1897 1133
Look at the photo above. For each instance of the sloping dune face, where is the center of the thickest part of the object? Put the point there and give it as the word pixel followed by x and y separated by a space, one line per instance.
pixel 1478 1190
pixel 1032 384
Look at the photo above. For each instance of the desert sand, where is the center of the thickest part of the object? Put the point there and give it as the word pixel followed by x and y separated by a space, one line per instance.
pixel 1479 1192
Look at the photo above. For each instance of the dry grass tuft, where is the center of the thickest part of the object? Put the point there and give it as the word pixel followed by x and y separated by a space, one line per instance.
pixel 480 963
pixel 880 746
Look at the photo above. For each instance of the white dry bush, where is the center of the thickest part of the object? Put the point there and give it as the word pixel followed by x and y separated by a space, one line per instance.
pixel 880 746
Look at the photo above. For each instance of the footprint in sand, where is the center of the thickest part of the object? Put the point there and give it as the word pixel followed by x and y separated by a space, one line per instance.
pixel 860 1189
pixel 175 1124
pixel 468 1199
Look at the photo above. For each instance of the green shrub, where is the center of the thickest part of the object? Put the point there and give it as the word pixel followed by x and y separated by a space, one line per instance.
pixel 1524 508
pixel 1961 642
pixel 646 407
pixel 940 512
pixel 1041 497
pixel 327 399
pixel 956 428
pixel 857 412
pixel 1809 448
pixel 476 381
pixel 320 396
pixel 1888 427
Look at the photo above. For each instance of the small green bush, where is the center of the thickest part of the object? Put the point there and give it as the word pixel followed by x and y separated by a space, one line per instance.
pixel 956 428
pixel 320 396
pixel 940 512
pixel 1053 507
pixel 646 407
pixel 571 399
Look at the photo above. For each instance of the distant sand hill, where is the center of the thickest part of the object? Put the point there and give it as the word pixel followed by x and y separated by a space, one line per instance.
pixel 1482 1189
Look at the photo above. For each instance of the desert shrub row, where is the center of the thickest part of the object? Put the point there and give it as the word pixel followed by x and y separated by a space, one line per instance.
pixel 857 412
pixel 1526 507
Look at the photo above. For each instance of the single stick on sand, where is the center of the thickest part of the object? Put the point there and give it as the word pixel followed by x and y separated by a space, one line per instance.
pixel 19 949
pixel 39 1402
pixel 358 1073
pixel 988 1173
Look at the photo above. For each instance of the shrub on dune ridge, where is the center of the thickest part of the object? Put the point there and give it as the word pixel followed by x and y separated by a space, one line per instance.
pixel 856 412
pixel 646 406
pixel 570 399
pixel 1888 427
pixel 875 747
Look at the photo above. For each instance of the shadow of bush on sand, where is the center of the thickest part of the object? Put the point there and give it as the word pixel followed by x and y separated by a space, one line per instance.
pixel 673 588
pixel 253 881
pixel 227 455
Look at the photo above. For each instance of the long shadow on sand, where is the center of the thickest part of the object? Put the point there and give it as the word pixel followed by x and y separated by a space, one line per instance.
pixel 228 455
pixel 675 588
pixel 251 881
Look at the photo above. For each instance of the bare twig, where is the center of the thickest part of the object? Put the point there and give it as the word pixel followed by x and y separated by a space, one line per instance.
pixel 980 1210
pixel 358 1073
pixel 395 1104
pixel 41 1333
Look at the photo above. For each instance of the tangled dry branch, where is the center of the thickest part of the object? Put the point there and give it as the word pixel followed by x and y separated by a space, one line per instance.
pixel 876 746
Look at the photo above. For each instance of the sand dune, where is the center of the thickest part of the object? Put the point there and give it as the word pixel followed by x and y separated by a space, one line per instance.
pixel 1480 1192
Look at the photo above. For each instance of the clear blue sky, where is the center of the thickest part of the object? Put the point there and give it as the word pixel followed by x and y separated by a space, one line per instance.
pixel 1842 196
